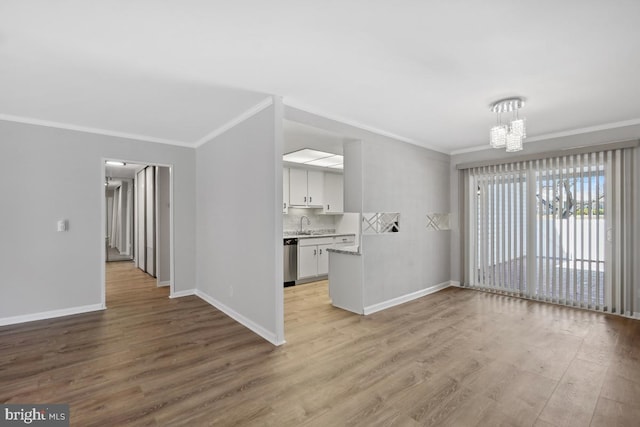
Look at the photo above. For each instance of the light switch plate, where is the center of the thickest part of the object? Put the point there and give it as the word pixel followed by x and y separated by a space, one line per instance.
pixel 63 225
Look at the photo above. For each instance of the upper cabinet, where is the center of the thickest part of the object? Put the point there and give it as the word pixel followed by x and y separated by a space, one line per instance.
pixel 333 200
pixel 315 187
pixel 285 190
pixel 305 187
pixel 312 189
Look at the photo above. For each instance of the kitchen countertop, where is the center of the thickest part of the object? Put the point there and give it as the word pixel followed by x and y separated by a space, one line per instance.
pixel 311 236
pixel 347 250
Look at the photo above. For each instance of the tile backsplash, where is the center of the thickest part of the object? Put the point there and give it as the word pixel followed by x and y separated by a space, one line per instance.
pixel 319 222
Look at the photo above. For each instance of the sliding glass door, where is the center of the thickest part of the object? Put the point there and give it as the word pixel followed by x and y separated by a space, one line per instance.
pixel 499 215
pixel 544 229
pixel 569 230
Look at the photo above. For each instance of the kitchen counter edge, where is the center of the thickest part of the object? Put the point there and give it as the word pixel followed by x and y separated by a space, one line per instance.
pixel 312 236
pixel 347 250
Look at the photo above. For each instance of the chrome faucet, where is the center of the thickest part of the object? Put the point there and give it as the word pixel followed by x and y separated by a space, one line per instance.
pixel 308 222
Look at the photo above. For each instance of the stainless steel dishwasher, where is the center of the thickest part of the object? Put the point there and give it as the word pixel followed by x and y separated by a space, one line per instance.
pixel 290 261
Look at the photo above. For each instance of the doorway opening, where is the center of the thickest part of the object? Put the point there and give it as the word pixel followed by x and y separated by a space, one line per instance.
pixel 119 226
pixel 315 217
pixel 137 219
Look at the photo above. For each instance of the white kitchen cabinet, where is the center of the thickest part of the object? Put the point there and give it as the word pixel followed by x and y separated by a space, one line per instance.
pixel 323 259
pixel 305 187
pixel 313 258
pixel 315 187
pixel 297 187
pixel 333 198
pixel 307 261
pixel 285 190
pixel 340 241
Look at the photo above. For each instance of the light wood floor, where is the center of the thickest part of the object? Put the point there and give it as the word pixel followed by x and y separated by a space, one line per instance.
pixel 457 357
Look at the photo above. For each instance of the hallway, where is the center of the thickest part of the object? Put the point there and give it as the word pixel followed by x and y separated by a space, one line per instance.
pixel 113 255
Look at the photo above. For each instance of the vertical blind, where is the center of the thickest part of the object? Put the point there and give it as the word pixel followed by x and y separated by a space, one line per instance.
pixel 554 229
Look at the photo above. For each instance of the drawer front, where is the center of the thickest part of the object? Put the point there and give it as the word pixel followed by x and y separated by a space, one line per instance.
pixel 345 240
pixel 313 241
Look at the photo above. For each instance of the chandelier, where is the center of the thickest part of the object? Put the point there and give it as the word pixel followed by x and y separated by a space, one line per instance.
pixel 512 135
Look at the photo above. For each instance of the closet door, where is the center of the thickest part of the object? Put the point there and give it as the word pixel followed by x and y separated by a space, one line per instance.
pixel 150 220
pixel 141 215
pixel 163 215
pixel 119 218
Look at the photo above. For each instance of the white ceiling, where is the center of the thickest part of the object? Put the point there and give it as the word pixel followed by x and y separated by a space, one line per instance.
pixel 297 136
pixel 116 174
pixel 175 71
pixel 126 171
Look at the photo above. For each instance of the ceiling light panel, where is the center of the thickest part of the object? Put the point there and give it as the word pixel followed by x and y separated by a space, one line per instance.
pixel 327 161
pixel 305 155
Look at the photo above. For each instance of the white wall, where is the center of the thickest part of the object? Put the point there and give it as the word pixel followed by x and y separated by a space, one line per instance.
pixel 636 237
pixel 400 177
pixel 61 177
pixel 349 223
pixel 239 199
pixel 352 178
pixel 163 178
pixel 382 174
pixel 109 213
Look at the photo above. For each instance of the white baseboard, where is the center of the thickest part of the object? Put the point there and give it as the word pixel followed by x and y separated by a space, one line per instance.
pixel 50 314
pixel 250 324
pixel 406 298
pixel 342 307
pixel 181 294
pixel 454 283
pixel 165 283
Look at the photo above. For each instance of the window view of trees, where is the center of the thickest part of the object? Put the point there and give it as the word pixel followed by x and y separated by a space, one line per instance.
pixel 564 198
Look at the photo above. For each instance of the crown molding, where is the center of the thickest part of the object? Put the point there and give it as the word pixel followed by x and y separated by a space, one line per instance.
pixel 311 110
pixel 97 131
pixel 580 131
pixel 472 149
pixel 268 101
pixel 588 129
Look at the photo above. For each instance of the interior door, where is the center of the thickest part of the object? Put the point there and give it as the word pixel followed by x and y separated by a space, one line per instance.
pixel 129 220
pixel 150 221
pixel 141 217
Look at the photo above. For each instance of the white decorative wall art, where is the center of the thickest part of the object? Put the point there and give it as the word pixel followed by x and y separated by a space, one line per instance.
pixel 438 221
pixel 380 222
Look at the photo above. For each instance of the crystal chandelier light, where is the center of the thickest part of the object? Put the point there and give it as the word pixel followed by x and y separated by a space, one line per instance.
pixel 512 135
